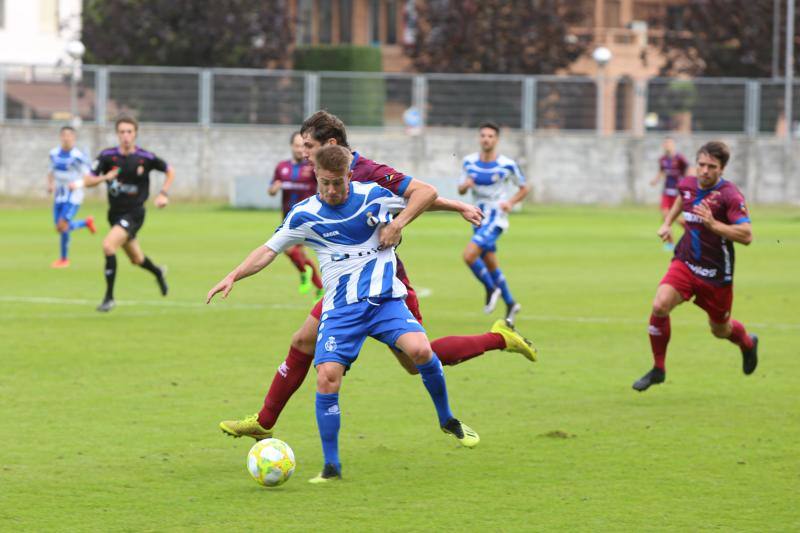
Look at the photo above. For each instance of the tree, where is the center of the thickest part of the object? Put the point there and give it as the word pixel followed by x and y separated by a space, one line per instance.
pixel 724 38
pixel 495 36
pixel 218 33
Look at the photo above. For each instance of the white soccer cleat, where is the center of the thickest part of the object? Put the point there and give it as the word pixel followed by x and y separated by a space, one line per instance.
pixel 491 301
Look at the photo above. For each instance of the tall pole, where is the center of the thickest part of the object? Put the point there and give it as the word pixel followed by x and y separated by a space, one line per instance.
pixel 776 37
pixel 789 77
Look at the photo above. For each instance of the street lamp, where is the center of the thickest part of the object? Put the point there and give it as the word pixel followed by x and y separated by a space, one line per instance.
pixel 75 50
pixel 602 56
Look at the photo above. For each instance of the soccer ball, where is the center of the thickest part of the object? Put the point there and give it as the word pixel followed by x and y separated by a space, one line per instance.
pixel 270 462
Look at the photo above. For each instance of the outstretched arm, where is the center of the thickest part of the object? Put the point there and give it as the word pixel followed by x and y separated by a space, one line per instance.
pixel 471 213
pixel 162 198
pixel 257 261
pixel 521 193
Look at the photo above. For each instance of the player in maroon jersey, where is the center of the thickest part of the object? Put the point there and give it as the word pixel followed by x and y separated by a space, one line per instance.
pixel 295 177
pixel 672 167
pixel 320 129
pixel 716 216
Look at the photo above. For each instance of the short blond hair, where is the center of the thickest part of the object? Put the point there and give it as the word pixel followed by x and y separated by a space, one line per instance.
pixel 333 158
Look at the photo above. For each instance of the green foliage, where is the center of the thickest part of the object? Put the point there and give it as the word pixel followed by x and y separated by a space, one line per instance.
pixel 359 101
pixel 110 421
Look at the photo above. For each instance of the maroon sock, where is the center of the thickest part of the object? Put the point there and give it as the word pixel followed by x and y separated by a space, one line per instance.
pixel 297 257
pixel 659 338
pixel 287 380
pixel 315 279
pixel 454 350
pixel 739 335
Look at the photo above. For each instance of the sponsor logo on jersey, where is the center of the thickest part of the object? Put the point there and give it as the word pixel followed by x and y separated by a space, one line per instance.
pixel 331 233
pixel 701 271
pixel 140 170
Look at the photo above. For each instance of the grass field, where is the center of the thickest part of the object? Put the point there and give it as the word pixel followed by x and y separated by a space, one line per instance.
pixel 109 422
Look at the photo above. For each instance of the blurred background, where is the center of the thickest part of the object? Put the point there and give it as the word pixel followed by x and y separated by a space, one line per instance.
pixel 584 90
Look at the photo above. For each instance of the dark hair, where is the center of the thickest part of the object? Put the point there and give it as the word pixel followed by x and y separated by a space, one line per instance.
pixel 67 128
pixel 718 150
pixel 125 119
pixel 491 125
pixel 294 134
pixel 333 158
pixel 323 126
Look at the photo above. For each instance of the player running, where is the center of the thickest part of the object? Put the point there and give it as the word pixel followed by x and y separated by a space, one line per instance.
pixel 295 177
pixel 716 216
pixel 486 174
pixel 319 130
pixel 363 296
pixel 67 165
pixel 672 167
pixel 126 169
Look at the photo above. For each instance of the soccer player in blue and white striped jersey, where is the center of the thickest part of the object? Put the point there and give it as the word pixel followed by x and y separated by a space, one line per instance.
pixel 486 174
pixel 363 296
pixel 67 165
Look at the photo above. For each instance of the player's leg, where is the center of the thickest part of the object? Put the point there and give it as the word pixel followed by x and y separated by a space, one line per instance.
pixel 137 257
pixel 329 418
pixel 472 257
pixel 490 258
pixel 717 303
pixel 674 289
pixel 112 242
pixel 62 228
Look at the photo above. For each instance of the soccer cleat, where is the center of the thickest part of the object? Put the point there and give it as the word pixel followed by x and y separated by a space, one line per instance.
pixel 305 280
pixel 654 377
pixel 514 341
pixel 90 224
pixel 750 357
pixel 330 472
pixel 162 280
pixel 107 305
pixel 319 295
pixel 491 300
pixel 60 263
pixel 247 427
pixel 511 313
pixel 462 432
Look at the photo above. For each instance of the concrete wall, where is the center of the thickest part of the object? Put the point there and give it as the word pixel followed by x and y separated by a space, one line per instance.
pixel 563 167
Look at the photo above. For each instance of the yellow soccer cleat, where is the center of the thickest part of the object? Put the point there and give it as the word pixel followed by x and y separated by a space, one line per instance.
pixel 462 432
pixel 248 427
pixel 330 472
pixel 514 341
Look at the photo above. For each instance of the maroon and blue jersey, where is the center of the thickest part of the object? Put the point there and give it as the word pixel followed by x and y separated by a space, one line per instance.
pixel 298 182
pixel 709 256
pixel 674 169
pixel 130 189
pixel 366 170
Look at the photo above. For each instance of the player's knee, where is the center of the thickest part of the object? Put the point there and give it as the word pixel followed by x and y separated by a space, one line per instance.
pixel 660 307
pixel 469 256
pixel 720 331
pixel 420 354
pixel 62 226
pixel 302 341
pixel 109 248
pixel 327 382
pixel 136 259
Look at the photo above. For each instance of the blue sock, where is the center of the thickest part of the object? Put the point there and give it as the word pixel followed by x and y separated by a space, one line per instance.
pixel 77 224
pixel 500 281
pixel 64 244
pixel 482 273
pixel 433 378
pixel 329 421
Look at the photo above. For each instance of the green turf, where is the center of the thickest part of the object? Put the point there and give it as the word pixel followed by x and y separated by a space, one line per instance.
pixel 109 422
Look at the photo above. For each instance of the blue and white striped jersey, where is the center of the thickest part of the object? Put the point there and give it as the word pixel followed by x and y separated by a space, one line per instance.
pixel 68 167
pixel 491 184
pixel 345 238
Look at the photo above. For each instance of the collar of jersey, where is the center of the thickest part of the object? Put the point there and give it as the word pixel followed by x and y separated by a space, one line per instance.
pixel 714 188
pixel 346 203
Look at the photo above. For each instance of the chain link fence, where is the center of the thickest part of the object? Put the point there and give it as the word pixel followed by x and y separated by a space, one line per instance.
pixel 98 94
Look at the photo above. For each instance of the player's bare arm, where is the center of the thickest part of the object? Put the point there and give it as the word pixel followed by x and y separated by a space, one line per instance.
pixel 741 233
pixel 466 185
pixel 51 181
pixel 469 212
pixel 517 198
pixel 90 180
pixel 420 196
pixel 162 198
pixel 665 231
pixel 274 187
pixel 659 176
pixel 257 261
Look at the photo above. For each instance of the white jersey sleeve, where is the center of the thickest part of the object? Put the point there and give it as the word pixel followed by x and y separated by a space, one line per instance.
pixel 515 174
pixel 286 236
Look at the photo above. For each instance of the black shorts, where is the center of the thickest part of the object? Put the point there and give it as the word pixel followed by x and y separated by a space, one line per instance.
pixel 130 221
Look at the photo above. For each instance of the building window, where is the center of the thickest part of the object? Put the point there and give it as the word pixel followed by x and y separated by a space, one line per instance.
pixel 374 21
pixel 391 22
pixel 304 20
pixel 345 21
pixel 675 18
pixel 324 21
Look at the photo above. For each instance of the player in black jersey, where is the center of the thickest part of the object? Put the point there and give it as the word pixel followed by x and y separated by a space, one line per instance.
pixel 126 170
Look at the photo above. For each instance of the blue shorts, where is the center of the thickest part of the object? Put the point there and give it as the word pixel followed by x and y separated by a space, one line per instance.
pixel 65 210
pixel 486 237
pixel 342 331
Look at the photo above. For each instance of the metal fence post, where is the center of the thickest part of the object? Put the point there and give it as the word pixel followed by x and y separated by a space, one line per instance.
pixel 639 107
pixel 101 96
pixel 752 110
pixel 419 98
pixel 311 93
pixel 206 92
pixel 2 94
pixel 529 104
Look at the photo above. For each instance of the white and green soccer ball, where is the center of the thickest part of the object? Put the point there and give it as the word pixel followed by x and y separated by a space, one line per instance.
pixel 271 462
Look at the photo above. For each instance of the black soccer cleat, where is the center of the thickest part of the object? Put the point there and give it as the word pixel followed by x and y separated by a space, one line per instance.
pixel 161 278
pixel 750 357
pixel 654 377
pixel 107 305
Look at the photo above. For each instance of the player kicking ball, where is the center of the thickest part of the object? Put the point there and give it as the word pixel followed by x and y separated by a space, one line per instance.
pixel 716 216
pixel 363 295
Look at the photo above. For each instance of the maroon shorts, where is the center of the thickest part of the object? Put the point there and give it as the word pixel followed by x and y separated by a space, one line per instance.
pixel 411 300
pixel 713 299
pixel 667 201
